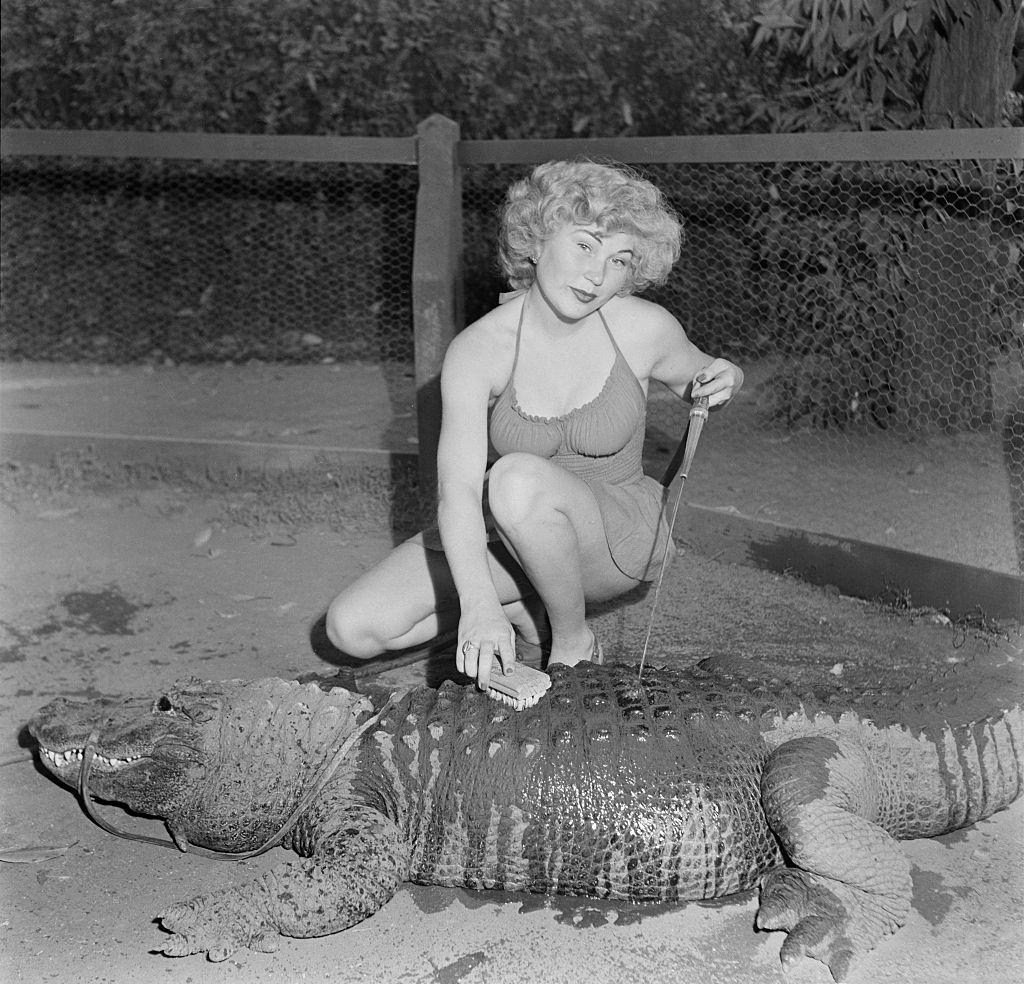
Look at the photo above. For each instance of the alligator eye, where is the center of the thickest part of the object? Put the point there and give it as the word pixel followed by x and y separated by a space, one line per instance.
pixel 163 705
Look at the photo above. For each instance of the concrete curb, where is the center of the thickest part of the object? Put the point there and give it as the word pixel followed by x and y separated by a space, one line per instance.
pixel 203 454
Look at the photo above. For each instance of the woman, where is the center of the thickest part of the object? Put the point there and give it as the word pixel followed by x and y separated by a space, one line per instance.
pixel 555 381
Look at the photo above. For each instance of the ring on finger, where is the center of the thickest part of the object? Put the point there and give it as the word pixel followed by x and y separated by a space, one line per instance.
pixel 468 646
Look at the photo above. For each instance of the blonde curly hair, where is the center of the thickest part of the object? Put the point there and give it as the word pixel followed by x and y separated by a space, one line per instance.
pixel 583 192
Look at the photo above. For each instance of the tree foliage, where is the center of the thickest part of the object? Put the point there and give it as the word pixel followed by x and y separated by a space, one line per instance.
pixel 872 64
pixel 503 68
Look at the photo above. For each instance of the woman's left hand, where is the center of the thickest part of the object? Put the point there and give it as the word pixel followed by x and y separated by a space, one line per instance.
pixel 720 380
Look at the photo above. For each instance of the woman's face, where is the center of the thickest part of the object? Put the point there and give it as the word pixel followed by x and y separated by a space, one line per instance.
pixel 581 267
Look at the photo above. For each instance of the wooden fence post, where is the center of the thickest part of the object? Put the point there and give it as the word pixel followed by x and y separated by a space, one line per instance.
pixel 436 283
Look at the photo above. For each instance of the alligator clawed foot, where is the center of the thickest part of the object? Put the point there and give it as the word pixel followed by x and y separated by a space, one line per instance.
pixel 216 926
pixel 818 922
pixel 183 946
pixel 816 937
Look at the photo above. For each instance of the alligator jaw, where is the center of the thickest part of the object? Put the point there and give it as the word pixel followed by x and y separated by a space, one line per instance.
pixel 71 758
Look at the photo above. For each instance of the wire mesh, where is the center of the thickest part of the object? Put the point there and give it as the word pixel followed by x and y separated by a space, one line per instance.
pixel 877 309
pixel 122 261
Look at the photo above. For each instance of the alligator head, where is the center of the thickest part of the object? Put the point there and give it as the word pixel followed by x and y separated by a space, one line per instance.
pixel 222 763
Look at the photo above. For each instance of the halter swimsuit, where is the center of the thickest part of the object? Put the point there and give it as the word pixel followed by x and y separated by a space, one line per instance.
pixel 600 442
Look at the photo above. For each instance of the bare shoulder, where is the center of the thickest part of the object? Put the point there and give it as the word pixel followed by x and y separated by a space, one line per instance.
pixel 641 316
pixel 485 348
pixel 645 331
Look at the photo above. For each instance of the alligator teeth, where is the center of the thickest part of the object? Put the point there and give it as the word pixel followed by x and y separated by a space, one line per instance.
pixel 63 758
pixel 73 755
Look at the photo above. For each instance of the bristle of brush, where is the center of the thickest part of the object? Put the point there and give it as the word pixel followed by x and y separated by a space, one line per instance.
pixel 520 689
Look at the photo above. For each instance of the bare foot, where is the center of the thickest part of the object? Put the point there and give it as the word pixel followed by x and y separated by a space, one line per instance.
pixel 585 649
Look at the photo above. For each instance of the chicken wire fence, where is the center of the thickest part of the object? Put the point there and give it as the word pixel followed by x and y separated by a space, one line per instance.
pixel 122 261
pixel 877 309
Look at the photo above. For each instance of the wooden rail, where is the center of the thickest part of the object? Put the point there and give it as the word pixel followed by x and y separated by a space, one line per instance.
pixel 206 146
pixel 904 145
pixel 981 144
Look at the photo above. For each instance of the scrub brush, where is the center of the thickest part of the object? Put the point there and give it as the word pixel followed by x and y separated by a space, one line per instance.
pixel 521 688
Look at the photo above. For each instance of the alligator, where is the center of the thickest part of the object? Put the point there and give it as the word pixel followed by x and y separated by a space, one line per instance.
pixel 681 784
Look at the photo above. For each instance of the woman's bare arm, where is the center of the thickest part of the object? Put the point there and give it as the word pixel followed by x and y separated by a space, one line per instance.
pixel 469 377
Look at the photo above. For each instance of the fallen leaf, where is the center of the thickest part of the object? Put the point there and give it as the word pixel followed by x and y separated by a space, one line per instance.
pixel 34 853
pixel 298 431
pixel 57 513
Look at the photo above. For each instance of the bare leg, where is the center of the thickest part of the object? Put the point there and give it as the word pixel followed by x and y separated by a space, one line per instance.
pixel 551 523
pixel 555 559
pixel 409 598
pixel 529 618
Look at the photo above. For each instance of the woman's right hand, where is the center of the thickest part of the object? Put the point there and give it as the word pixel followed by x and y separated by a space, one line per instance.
pixel 484 632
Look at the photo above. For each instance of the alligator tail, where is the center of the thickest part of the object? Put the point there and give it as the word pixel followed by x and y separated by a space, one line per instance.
pixel 980 766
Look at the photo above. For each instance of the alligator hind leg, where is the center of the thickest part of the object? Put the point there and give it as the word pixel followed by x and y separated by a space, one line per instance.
pixel 850 881
pixel 347 879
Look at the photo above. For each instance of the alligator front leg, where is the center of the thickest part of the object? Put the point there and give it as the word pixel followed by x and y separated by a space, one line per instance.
pixel 349 877
pixel 850 884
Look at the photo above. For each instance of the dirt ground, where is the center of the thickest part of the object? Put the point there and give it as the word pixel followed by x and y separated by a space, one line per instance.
pixel 119 589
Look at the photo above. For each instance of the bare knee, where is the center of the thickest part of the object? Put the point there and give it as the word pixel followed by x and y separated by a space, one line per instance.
pixel 517 490
pixel 350 631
